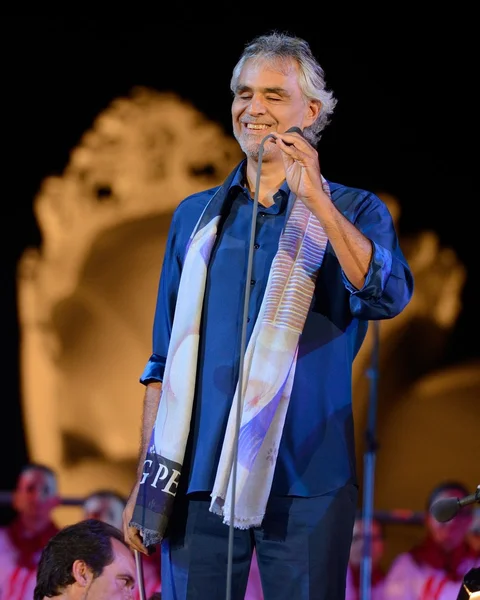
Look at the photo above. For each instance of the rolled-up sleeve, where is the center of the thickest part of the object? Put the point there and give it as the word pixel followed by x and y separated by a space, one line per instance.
pixel 388 285
pixel 154 369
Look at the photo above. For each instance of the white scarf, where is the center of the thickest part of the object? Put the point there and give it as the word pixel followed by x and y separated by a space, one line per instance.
pixel 268 373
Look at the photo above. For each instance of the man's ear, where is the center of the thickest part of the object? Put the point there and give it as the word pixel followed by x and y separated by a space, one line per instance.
pixel 313 110
pixel 82 573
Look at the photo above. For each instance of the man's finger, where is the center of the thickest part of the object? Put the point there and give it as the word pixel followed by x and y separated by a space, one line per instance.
pixel 134 539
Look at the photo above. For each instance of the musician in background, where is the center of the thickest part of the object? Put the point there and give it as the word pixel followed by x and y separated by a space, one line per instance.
pixel 434 569
pixel 34 498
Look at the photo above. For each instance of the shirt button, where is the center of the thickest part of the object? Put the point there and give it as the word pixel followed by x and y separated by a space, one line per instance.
pixel 248 319
pixel 256 246
pixel 262 214
pixel 252 282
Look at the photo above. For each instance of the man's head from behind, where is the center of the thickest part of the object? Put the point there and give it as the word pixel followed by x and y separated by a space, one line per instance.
pixel 87 559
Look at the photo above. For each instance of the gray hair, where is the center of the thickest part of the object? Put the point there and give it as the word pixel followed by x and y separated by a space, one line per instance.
pixel 281 48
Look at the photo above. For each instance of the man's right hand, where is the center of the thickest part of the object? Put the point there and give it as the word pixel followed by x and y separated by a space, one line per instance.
pixel 132 534
pixel 151 400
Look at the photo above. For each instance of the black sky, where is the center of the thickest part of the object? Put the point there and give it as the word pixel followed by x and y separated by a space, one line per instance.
pixel 404 124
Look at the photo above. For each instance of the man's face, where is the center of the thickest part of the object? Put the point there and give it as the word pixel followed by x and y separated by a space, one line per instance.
pixel 358 543
pixel 118 580
pixel 451 534
pixel 268 98
pixel 35 495
pixel 109 510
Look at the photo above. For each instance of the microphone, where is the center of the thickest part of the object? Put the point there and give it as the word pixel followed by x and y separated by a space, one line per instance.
pixel 293 129
pixel 445 509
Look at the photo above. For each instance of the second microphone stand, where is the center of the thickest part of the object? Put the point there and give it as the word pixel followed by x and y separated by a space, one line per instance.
pixel 369 470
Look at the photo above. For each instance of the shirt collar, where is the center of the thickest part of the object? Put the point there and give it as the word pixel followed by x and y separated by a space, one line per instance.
pixel 280 198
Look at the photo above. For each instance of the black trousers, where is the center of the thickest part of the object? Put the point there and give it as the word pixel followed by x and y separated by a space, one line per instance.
pixel 302 546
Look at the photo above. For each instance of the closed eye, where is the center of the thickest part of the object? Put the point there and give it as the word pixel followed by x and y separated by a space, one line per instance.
pixel 127 580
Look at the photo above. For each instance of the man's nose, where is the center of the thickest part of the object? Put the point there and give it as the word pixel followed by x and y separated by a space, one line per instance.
pixel 256 105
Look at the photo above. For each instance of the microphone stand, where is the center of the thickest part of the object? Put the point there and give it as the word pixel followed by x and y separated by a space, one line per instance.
pixel 243 344
pixel 141 580
pixel 368 474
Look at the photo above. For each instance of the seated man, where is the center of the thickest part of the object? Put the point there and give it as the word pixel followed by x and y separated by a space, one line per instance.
pixel 377 540
pixel 435 568
pixel 88 559
pixel 108 505
pixel 21 541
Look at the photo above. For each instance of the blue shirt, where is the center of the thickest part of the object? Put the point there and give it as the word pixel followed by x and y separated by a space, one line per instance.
pixel 317 451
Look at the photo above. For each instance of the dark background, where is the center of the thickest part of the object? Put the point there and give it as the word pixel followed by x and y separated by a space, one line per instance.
pixel 404 124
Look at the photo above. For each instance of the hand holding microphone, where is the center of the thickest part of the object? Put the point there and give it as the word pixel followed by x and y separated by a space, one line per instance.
pixel 272 136
pixel 302 167
pixel 292 130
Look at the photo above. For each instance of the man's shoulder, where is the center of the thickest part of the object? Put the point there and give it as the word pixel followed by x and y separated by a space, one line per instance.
pixel 196 202
pixel 354 200
pixel 342 191
pixel 187 214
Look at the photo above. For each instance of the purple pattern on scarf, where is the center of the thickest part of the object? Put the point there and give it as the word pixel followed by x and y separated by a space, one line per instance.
pixel 253 433
pixel 207 245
